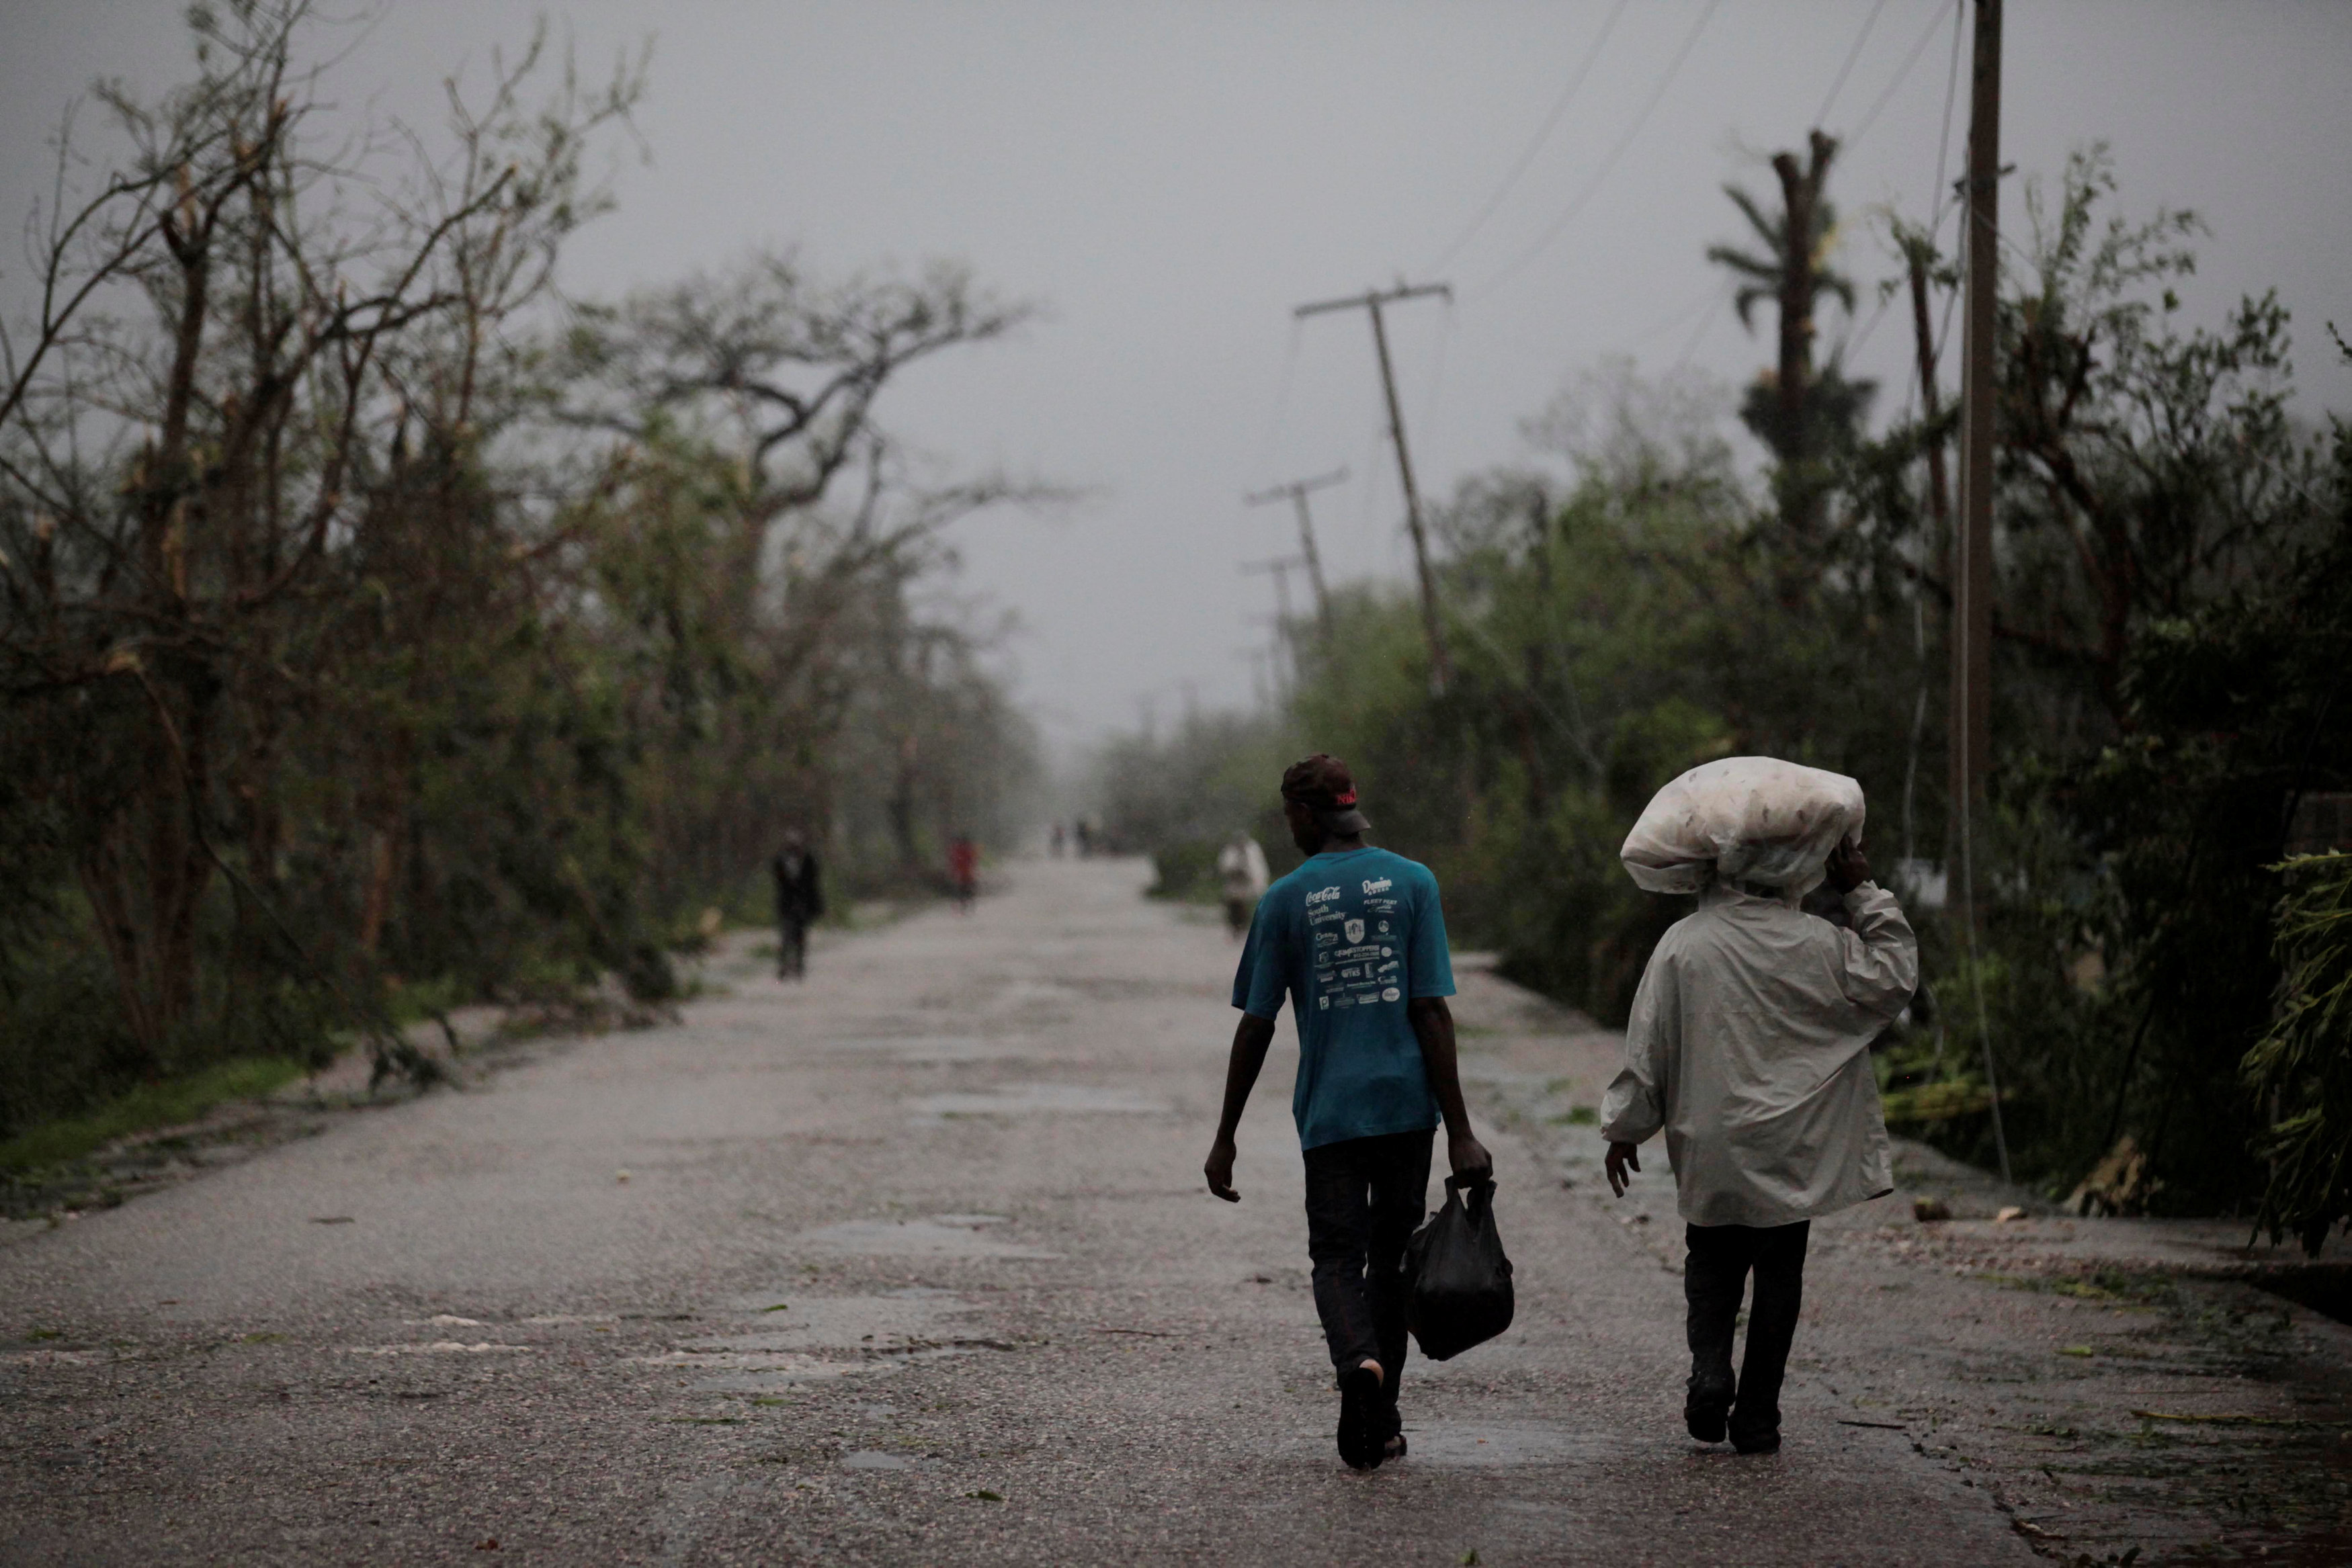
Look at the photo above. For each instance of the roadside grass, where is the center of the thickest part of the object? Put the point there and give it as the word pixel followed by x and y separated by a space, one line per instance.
pixel 417 1001
pixel 2112 1286
pixel 150 1105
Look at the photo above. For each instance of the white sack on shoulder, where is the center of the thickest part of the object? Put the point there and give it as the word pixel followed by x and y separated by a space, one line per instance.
pixel 1756 819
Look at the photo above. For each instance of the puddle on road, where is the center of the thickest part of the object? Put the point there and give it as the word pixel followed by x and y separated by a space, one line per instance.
pixel 940 1236
pixel 761 1372
pixel 793 1339
pixel 1472 1446
pixel 898 1320
pixel 1039 1100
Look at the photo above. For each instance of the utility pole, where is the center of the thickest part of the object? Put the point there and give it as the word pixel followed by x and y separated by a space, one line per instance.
pixel 1441 667
pixel 1258 659
pixel 1296 493
pixel 1279 568
pixel 1971 741
pixel 1281 659
pixel 1972 542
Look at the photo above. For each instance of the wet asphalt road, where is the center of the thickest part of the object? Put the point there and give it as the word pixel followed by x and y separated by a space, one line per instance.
pixel 911 1263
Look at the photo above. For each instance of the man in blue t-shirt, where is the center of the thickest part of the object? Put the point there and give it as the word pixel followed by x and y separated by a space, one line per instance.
pixel 1356 940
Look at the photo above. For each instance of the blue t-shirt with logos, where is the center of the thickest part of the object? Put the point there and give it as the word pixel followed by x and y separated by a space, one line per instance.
pixel 1350 937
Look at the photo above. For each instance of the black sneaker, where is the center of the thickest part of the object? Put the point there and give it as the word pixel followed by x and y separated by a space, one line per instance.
pixel 1756 1438
pixel 1362 1439
pixel 1704 1408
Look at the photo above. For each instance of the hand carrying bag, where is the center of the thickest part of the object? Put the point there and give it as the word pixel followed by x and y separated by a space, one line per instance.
pixel 1461 1293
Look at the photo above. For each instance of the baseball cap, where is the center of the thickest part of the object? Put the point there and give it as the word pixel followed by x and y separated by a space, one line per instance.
pixel 1323 785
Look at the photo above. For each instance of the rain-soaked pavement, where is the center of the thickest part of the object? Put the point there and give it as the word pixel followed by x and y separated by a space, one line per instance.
pixel 913 1264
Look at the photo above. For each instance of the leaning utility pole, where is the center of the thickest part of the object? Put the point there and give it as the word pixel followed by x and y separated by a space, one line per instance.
pixel 1972 739
pixel 1279 568
pixel 1440 668
pixel 1296 491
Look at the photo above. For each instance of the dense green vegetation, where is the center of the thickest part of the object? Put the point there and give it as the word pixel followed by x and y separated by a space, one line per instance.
pixel 2175 577
pixel 378 629
pixel 168 1103
pixel 2303 1066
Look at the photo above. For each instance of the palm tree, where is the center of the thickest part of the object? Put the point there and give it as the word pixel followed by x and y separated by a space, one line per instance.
pixel 1798 412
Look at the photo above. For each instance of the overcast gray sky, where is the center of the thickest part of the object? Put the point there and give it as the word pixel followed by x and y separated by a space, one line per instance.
pixel 1171 179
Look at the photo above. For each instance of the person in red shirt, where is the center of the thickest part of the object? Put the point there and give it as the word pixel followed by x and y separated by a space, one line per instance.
pixel 963 869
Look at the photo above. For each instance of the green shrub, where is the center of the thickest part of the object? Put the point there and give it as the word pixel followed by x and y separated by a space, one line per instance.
pixel 151 1105
pixel 2302 1067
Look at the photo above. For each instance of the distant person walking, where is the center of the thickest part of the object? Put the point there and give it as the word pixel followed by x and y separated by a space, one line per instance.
pixel 963 870
pixel 1060 839
pixel 1356 940
pixel 800 900
pixel 1241 868
pixel 1749 1046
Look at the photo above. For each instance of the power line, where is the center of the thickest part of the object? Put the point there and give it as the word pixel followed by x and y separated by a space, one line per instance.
pixel 1901 75
pixel 1943 138
pixel 1706 324
pixel 1859 339
pixel 1543 135
pixel 1592 186
pixel 1680 314
pixel 1437 375
pixel 1822 115
pixel 1945 196
pixel 1281 399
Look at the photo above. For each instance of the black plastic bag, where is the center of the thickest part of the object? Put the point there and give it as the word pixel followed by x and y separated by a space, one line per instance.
pixel 1460 1293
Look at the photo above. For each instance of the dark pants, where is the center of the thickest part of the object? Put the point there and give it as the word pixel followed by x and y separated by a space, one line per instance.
pixel 792 946
pixel 1721 1257
pixel 1364 1198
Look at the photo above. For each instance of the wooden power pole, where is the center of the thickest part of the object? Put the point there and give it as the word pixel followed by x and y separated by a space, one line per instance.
pixel 1295 493
pixel 1441 667
pixel 1972 740
pixel 1972 730
pixel 1278 569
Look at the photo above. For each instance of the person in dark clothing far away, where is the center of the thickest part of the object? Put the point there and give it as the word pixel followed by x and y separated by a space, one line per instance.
pixel 963 870
pixel 800 899
pixel 1749 1045
pixel 1356 940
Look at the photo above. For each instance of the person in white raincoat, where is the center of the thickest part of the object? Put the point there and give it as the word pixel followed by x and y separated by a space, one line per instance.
pixel 1242 872
pixel 1750 1047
